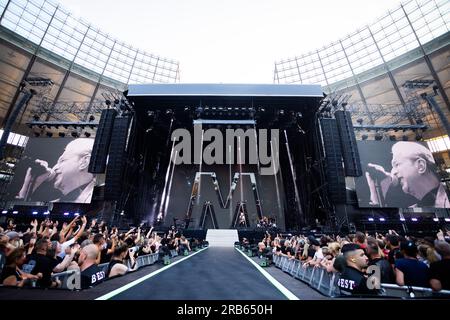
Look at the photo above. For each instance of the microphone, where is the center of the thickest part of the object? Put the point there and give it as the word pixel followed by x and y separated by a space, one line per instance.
pixel 377 175
pixel 40 167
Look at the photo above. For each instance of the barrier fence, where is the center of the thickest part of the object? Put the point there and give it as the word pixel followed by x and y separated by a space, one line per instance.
pixel 70 279
pixel 326 282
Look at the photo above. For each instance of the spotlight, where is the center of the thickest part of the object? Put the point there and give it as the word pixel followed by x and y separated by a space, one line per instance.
pixel 4 211
pixel 76 214
pixel 15 212
pixel 447 219
pixel 66 213
pixel 46 213
pixel 281 112
pixel 436 219
pixel 49 134
pixel 87 134
pixel 378 136
pixel 371 219
pixel 35 213
pixel 62 134
pixel 414 219
pixel 382 219
pixel 402 219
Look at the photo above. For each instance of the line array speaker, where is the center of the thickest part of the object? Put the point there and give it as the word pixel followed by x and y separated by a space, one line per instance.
pixel 333 160
pixel 116 161
pixel 102 140
pixel 350 154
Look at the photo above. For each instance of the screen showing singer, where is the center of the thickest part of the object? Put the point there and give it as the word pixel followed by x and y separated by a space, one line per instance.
pixel 399 174
pixel 54 170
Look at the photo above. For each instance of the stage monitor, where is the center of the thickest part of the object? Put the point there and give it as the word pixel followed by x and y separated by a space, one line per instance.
pixel 54 170
pixel 399 174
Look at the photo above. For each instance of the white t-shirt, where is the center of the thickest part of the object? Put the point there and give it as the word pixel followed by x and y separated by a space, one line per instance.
pixel 318 255
pixel 62 254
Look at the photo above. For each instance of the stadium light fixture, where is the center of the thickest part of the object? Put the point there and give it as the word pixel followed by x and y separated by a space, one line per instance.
pixel 436 219
pixel 15 212
pixel 35 213
pixel 414 219
pixel 371 219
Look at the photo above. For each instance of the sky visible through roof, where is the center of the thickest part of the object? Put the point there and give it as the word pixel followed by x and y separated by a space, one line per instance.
pixel 229 41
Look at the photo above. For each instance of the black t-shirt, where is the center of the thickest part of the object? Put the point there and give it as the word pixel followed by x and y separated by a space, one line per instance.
pixel 104 256
pixel 285 250
pixel 92 276
pixel 416 273
pixel 44 265
pixel 111 264
pixel 353 282
pixel 387 274
pixel 311 252
pixel 9 271
pixel 440 270
pixel 340 263
pixel 394 254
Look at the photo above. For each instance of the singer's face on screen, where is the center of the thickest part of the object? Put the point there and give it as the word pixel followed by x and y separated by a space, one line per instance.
pixel 71 168
pixel 405 168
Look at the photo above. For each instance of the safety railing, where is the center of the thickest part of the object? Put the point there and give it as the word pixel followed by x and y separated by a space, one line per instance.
pixel 70 280
pixel 407 292
pixel 326 282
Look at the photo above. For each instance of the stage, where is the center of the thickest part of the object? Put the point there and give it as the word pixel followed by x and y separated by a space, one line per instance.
pixel 221 156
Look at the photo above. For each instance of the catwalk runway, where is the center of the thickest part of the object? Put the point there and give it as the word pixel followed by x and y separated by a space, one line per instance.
pixel 213 274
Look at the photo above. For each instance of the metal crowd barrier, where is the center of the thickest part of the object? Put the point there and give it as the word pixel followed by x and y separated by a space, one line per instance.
pixel 69 281
pixel 318 278
pixel 173 253
pixel 408 292
pixel 326 283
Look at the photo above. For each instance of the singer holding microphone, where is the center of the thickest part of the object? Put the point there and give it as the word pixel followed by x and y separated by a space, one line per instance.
pixel 414 169
pixel 69 176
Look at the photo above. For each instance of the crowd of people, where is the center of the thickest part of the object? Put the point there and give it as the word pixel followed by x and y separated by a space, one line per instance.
pixel 266 223
pixel 402 260
pixel 31 257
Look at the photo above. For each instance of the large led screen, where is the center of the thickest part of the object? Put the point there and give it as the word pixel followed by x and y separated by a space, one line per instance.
pixel 54 170
pixel 399 174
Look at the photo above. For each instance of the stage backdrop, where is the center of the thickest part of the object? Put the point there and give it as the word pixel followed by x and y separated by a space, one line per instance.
pixel 65 180
pixel 272 200
pixel 407 185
